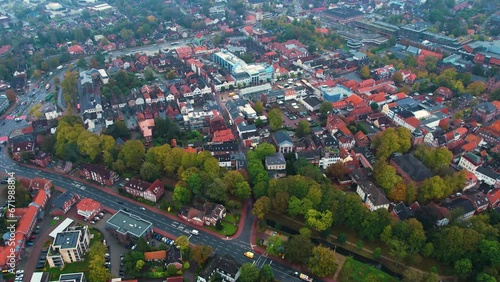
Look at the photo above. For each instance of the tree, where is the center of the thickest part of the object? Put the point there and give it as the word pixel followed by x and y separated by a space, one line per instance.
pixel 261 207
pixel 365 72
pixel 266 274
pixel 248 273
pixel 319 221
pixel 69 86
pixel 11 95
pixel 377 253
pixel 397 77
pixel 171 269
pixel 432 189
pixel 182 242
pixel 82 63
pixel 385 175
pixel 181 196
pixel 475 88
pixel 337 170
pixel 201 253
pixel 325 108
pixel 322 263
pixel 263 150
pixel 139 264
pixel 275 117
pixel 374 106
pixel 434 158
pixel 149 172
pixel 149 74
pixel 299 248
pixel 243 190
pixel 126 34
pixel 258 107
pixel 463 267
pixel 171 74
pixel 274 245
pixel 97 271
pixel 391 141
pixel 484 277
pixel 398 192
pixel 132 154
pixel 302 129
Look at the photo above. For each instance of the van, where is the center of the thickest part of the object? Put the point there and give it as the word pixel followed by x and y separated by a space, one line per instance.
pixel 195 232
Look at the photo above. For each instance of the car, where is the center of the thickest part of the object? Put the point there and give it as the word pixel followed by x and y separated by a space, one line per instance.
pixel 104 242
pixel 32 237
pixel 101 214
pixel 195 232
pixel 36 232
pixel 153 243
pixel 120 202
pixel 96 218
pixel 164 239
pixel 92 222
pixel 106 254
pixel 249 255
pixel 20 272
pixel 142 208
pixel 85 220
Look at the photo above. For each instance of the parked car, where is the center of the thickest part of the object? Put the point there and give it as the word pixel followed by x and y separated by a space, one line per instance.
pixel 92 222
pixel 101 215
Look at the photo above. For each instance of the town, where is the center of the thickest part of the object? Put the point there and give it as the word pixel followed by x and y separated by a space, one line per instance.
pixel 214 140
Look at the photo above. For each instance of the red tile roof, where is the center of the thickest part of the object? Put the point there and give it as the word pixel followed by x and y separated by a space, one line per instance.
pixel 494 197
pixel 155 255
pixel 87 204
pixel 27 220
pixel 40 198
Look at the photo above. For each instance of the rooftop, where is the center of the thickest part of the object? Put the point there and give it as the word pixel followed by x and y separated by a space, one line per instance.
pixel 413 167
pixel 126 223
pixel 67 240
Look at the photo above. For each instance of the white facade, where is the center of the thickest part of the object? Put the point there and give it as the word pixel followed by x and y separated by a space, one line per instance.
pixel 327 161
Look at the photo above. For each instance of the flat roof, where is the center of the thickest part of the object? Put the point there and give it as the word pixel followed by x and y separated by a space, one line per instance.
pixel 67 240
pixel 124 222
pixel 61 227
pixel 37 277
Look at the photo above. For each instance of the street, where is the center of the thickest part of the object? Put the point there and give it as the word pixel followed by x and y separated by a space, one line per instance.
pixel 234 248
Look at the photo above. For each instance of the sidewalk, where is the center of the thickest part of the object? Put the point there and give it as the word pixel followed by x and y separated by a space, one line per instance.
pixel 154 209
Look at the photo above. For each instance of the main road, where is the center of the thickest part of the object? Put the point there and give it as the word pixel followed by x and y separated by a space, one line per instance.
pixel 234 248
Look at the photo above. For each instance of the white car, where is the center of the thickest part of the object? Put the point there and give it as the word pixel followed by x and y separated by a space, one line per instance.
pixel 20 272
pixel 142 208
pixel 195 232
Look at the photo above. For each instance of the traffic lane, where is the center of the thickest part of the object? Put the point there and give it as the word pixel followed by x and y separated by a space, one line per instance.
pixel 233 248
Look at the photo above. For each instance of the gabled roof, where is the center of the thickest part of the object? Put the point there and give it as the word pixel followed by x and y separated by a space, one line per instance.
pixel 413 167
pixel 282 137
pixel 87 204
pixel 157 255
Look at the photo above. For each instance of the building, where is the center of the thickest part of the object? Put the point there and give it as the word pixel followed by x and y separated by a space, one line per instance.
pixel 462 205
pixel 276 162
pixel 69 246
pixel 244 74
pixel 478 199
pixel 103 75
pixel 128 228
pixel 373 197
pixel 470 161
pixel 335 94
pixel 486 111
pixel 149 191
pixel 72 277
pixel 410 168
pixel 98 174
pixel 4 103
pixel 223 266
pixel 343 15
pixel 64 202
pixel 155 255
pixel 88 208
pixel 283 142
pixel 487 176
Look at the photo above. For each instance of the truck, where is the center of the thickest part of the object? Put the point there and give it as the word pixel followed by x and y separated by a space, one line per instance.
pixel 47 87
pixel 303 277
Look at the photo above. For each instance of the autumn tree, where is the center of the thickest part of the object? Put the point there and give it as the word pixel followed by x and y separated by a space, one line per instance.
pixel 182 242
pixel 11 95
pixel 319 221
pixel 397 77
pixel 97 271
pixel 392 140
pixel 322 263
pixel 385 175
pixel 261 207
pixel 258 107
pixel 337 170
pixel 365 72
pixel 302 129
pixel 201 253
pixel 475 88
pixel 69 86
pixel 398 192
pixel 275 117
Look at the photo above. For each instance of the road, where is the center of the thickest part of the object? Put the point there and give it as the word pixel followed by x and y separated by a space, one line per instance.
pixel 234 248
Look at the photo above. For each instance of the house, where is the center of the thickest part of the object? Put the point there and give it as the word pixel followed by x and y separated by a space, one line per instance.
pixel 487 176
pixel 221 136
pixel 410 168
pixel 69 246
pixel 155 256
pixel 42 159
pixel 470 161
pixel 275 162
pixel 486 111
pixel 403 212
pixel 478 199
pixel 373 197
pixel 63 166
pixel 64 202
pixel 283 142
pixel 462 204
pixel 98 174
pixel 40 184
pixel 128 228
pixel 224 267
pixel 149 191
pixel 192 215
pixel 213 213
pixel 494 197
pixel 21 148
pixel 76 277
pixel 88 208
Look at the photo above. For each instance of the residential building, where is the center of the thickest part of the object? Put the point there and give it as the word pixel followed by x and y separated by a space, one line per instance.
pixel 128 228
pixel 283 142
pixel 207 214
pixel 69 246
pixel 276 162
pixel 64 202
pixel 462 204
pixel 98 174
pixel 487 176
pixel 155 255
pixel 410 168
pixel 478 199
pixel 486 111
pixel 149 191
pixel 224 267
pixel 72 277
pixel 88 208
pixel 373 197
pixel 470 161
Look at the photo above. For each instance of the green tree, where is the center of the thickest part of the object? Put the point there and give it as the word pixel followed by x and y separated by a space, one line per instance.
pixel 132 154
pixel 126 34
pixel 385 175
pixel 243 190
pixel 299 248
pixel 319 221
pixel 248 273
pixel 201 253
pixel 266 274
pixel 475 88
pixel 397 77
pixel 181 196
pixel 139 264
pixel 337 170
pixel 182 242
pixel 82 63
pixel 365 72
pixel 432 189
pixel 374 106
pixel 149 74
pixel 69 86
pixel 377 253
pixel 303 129
pixel 325 108
pixel 391 141
pixel 258 107
pixel 261 207
pixel 322 263
pixel 463 267
pixel 149 171
pixel 274 245
pixel 275 117
pixel 484 277
pixel 263 150
pixel 298 206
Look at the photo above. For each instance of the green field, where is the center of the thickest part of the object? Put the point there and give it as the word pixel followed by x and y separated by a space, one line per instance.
pixel 354 270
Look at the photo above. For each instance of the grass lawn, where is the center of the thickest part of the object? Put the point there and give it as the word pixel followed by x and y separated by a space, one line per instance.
pixel 230 218
pixel 54 222
pixel 354 270
pixel 228 229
